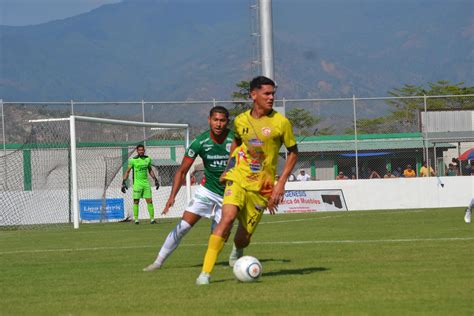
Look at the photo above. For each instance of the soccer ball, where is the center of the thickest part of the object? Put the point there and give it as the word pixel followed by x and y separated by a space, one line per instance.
pixel 247 269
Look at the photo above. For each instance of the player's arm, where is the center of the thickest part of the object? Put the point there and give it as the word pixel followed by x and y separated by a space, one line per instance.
pixel 279 190
pixel 177 181
pixel 125 178
pixel 155 179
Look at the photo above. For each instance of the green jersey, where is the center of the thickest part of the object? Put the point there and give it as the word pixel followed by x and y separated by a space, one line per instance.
pixel 140 166
pixel 214 156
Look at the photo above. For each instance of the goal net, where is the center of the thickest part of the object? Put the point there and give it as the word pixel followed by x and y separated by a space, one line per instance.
pixel 70 170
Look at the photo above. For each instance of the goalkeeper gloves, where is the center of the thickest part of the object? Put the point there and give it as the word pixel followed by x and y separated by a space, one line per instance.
pixel 157 184
pixel 124 186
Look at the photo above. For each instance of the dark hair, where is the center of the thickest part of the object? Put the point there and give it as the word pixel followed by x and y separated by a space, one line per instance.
pixel 140 146
pixel 219 109
pixel 260 81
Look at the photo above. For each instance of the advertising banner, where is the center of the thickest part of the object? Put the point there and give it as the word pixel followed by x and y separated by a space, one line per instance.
pixel 98 209
pixel 313 201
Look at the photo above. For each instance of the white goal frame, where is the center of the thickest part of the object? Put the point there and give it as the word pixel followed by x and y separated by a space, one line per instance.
pixel 73 147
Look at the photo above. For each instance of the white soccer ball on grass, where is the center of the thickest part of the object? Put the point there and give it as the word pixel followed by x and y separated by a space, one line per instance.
pixel 247 269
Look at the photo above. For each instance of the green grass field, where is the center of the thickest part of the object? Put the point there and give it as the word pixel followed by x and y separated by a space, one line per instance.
pixel 343 263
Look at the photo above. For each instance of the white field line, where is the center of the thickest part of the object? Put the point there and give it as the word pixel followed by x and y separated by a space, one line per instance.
pixel 379 241
pixel 352 214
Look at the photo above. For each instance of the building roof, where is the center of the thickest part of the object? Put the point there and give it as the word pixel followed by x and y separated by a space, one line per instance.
pixel 370 142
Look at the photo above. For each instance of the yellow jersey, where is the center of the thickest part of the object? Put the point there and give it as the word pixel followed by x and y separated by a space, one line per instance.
pixel 256 159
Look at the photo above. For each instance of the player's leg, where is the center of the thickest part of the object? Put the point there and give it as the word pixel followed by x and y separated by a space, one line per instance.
pixel 217 241
pixel 149 203
pixel 136 205
pixel 173 239
pixel 467 215
pixel 202 204
pixel 249 218
pixel 137 195
pixel 241 240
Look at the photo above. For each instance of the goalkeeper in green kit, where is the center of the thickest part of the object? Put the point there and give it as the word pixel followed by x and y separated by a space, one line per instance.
pixel 141 165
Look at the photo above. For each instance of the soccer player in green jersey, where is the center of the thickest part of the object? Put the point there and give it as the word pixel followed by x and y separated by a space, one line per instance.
pixel 141 165
pixel 250 187
pixel 213 146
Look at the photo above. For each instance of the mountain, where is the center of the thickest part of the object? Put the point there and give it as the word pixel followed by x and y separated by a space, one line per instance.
pixel 161 50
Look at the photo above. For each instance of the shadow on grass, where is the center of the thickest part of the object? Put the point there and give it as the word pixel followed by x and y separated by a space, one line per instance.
pixel 226 262
pixel 301 271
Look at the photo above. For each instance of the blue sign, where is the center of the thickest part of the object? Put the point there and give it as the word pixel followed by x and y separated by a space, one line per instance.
pixel 96 210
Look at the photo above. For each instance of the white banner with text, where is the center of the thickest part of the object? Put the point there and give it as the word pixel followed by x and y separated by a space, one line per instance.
pixel 302 201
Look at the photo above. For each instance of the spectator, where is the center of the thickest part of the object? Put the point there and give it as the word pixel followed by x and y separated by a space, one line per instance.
pixel 471 169
pixel 341 176
pixel 409 172
pixel 374 174
pixel 424 172
pixel 456 165
pixel 303 176
pixel 398 172
pixel 451 171
pixel 388 175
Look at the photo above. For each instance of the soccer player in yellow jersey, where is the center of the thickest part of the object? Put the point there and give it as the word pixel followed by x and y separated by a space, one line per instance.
pixel 250 174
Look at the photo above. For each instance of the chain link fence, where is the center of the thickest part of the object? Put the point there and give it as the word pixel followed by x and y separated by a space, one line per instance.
pixel 344 138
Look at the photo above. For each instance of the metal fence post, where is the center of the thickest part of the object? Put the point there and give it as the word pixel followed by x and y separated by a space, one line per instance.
pixel 143 119
pixel 424 127
pixel 355 136
pixel 4 146
pixel 72 107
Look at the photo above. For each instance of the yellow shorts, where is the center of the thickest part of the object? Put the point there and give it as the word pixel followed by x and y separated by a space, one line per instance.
pixel 251 205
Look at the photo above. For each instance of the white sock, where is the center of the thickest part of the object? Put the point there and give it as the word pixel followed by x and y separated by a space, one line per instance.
pixel 172 241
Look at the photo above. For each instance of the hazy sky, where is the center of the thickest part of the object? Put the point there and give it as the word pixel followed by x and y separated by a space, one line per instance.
pixel 27 12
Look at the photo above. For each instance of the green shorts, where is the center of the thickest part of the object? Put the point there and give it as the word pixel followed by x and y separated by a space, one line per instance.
pixel 141 191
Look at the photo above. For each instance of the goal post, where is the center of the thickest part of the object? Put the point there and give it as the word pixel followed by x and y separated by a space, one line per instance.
pixel 96 144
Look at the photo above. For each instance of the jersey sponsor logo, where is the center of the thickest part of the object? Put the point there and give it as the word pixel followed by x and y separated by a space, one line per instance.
pixel 228 192
pixel 255 166
pixel 191 153
pixel 266 131
pixel 227 147
pixel 218 163
pixel 229 183
pixel 256 142
pixel 217 156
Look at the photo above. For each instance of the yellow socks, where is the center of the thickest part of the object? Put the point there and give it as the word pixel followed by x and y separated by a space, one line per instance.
pixel 216 243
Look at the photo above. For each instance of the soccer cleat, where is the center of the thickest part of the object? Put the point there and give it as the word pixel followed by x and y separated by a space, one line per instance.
pixel 467 216
pixel 235 255
pixel 152 267
pixel 152 221
pixel 137 222
pixel 203 279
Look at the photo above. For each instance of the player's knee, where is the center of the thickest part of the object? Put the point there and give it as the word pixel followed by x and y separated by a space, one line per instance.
pixel 242 240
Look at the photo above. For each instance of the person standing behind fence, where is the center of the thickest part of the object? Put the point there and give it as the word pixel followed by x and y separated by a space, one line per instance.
pixel 409 172
pixel 303 176
pixel 424 172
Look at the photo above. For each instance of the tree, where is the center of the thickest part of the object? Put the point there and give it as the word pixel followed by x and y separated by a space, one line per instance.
pixel 303 121
pixel 243 93
pixel 405 112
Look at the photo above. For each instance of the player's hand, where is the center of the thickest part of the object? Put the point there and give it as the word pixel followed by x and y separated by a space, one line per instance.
pixel 157 184
pixel 272 208
pixel 124 187
pixel 222 178
pixel 168 204
pixel 276 198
